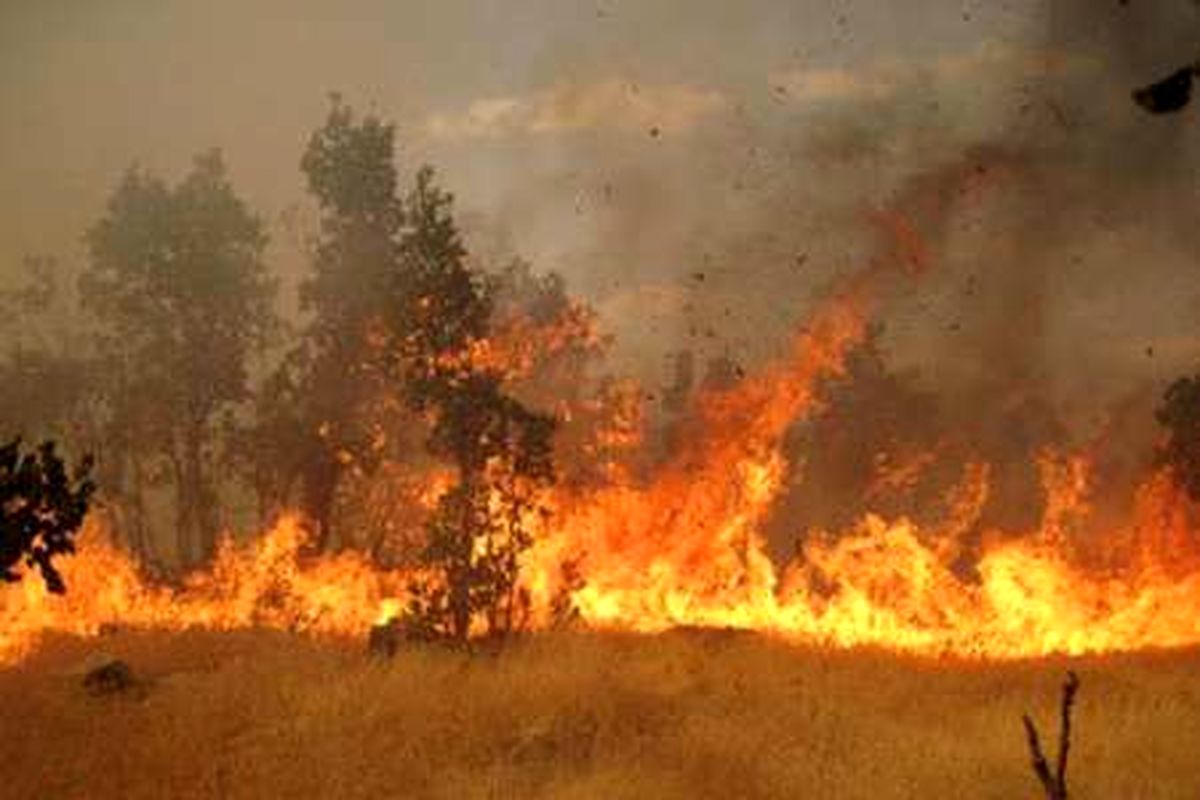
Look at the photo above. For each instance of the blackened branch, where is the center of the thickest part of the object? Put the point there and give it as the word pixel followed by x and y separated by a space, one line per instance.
pixel 1040 767
pixel 1070 687
pixel 1054 784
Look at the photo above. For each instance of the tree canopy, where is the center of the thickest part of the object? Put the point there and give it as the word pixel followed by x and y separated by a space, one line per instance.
pixel 177 282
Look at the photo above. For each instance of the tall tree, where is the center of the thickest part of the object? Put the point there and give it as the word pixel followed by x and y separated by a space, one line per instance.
pixel 501 450
pixel 389 285
pixel 396 309
pixel 177 281
pixel 329 392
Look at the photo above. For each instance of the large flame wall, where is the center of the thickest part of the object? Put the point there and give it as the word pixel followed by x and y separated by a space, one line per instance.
pixel 686 547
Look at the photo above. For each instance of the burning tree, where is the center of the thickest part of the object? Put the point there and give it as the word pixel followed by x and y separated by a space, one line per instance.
pixel 397 314
pixel 41 508
pixel 332 405
pixel 501 449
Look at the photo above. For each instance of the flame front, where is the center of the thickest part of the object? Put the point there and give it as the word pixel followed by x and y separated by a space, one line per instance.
pixel 686 546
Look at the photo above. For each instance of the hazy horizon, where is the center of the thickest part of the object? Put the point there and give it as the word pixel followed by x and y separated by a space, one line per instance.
pixel 697 171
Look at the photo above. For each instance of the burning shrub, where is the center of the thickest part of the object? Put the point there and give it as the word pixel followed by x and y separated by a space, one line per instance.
pixel 482 525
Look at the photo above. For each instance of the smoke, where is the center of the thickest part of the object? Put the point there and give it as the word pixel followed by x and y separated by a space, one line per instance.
pixel 1040 212
pixel 700 185
pixel 1049 212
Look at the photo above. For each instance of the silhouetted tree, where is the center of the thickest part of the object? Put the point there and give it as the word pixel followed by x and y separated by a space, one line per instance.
pixel 873 418
pixel 555 344
pixel 555 333
pixel 177 281
pixel 41 508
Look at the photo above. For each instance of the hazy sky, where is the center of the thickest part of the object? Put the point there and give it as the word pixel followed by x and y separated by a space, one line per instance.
pixel 89 87
pixel 633 145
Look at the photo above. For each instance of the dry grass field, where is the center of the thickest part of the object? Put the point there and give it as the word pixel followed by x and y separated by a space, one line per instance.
pixel 688 715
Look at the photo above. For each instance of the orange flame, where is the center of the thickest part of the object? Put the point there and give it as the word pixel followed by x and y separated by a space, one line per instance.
pixel 686 547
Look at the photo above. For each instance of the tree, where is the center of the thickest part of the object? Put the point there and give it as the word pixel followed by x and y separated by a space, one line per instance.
pixel 329 401
pixel 1179 414
pixel 389 289
pixel 177 281
pixel 870 442
pixel 501 449
pixel 396 310
pixel 41 509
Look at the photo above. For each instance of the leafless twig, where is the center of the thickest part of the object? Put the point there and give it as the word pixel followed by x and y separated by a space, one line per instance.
pixel 1054 784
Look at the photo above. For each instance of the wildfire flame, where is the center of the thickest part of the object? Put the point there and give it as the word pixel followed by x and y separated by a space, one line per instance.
pixel 685 547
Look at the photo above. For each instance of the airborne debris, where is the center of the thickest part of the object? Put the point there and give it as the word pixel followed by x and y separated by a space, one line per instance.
pixel 1168 95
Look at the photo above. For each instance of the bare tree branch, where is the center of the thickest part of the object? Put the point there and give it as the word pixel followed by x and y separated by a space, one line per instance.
pixel 1054 784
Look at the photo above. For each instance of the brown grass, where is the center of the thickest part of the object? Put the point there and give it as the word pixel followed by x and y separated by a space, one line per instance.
pixel 265 715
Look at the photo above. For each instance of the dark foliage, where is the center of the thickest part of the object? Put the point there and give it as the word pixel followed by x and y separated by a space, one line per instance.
pixel 503 452
pixel 41 509
pixel 384 639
